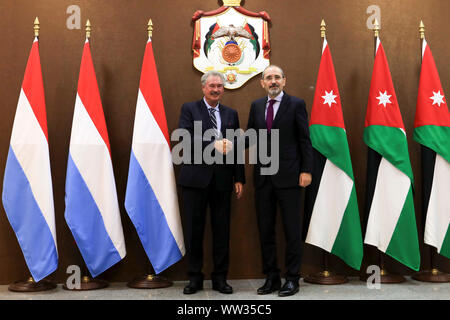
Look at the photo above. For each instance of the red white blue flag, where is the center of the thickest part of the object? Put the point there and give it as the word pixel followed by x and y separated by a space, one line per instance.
pixel 27 184
pixel 151 197
pixel 92 209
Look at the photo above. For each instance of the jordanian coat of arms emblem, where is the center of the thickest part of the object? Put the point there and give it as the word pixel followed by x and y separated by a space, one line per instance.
pixel 233 41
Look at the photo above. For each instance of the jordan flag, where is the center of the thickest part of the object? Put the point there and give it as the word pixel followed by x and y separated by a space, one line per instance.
pixel 432 131
pixel 92 210
pixel 151 197
pixel 391 225
pixel 335 224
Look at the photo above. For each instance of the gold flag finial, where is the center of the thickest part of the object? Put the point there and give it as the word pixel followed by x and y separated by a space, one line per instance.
pixel 36 27
pixel 323 29
pixel 88 29
pixel 376 28
pixel 231 3
pixel 150 28
pixel 422 30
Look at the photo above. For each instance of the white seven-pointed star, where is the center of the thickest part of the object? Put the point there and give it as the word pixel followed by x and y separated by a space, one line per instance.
pixel 437 98
pixel 384 98
pixel 329 98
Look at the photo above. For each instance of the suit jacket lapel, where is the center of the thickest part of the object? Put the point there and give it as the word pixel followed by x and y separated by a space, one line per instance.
pixel 223 119
pixel 207 124
pixel 262 113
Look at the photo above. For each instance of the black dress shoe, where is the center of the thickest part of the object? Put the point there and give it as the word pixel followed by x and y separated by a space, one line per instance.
pixel 222 286
pixel 289 288
pixel 192 288
pixel 271 285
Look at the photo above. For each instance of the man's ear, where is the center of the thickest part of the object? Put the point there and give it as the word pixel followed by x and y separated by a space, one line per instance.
pixel 262 83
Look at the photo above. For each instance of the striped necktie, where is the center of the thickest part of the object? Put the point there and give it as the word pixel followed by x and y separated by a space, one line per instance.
pixel 212 116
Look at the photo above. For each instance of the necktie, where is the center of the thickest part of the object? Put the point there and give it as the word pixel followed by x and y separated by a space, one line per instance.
pixel 212 116
pixel 269 117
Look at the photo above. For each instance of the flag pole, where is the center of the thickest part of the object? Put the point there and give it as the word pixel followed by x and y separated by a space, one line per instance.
pixel 385 276
pixel 149 280
pixel 87 282
pixel 434 274
pixel 325 277
pixel 30 285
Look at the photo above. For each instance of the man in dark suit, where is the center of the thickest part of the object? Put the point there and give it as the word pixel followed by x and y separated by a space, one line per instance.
pixel 288 115
pixel 210 185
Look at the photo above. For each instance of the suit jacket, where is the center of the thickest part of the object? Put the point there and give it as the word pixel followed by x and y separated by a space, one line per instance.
pixel 295 150
pixel 199 175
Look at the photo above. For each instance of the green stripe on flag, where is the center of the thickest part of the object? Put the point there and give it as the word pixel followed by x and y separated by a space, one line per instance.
pixel 391 143
pixel 332 143
pixel 445 249
pixel 434 137
pixel 349 244
pixel 404 244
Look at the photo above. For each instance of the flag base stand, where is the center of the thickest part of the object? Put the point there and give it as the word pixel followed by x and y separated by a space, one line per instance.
pixel 386 277
pixel 87 283
pixel 31 286
pixel 326 278
pixel 150 281
pixel 433 275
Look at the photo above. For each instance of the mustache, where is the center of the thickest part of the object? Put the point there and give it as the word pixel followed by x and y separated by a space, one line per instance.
pixel 274 86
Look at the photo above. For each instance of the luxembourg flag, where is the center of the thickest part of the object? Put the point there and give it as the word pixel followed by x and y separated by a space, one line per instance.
pixel 151 196
pixel 92 209
pixel 27 184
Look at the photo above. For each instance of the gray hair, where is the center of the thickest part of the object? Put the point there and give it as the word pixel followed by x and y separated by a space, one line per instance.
pixel 212 73
pixel 272 66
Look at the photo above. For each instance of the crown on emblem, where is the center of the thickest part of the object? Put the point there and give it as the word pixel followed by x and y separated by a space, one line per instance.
pixel 231 3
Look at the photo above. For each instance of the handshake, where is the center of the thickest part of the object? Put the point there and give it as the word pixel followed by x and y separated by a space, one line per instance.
pixel 223 146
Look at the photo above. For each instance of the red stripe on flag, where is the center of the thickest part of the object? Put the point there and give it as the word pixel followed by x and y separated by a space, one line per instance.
pixel 149 86
pixel 33 87
pixel 328 114
pixel 247 28
pixel 382 107
pixel 429 112
pixel 90 95
pixel 216 27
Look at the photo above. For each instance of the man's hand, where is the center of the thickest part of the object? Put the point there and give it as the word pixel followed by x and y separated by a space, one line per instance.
pixel 223 146
pixel 238 189
pixel 305 179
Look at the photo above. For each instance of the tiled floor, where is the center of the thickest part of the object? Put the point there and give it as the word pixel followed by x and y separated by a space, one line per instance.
pixel 246 290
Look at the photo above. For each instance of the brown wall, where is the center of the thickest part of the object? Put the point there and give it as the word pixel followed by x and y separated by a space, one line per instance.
pixel 118 40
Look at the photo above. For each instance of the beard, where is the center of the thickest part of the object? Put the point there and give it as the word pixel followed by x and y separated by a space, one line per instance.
pixel 274 91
